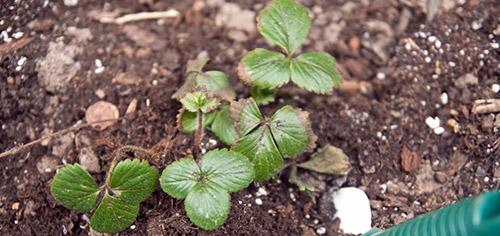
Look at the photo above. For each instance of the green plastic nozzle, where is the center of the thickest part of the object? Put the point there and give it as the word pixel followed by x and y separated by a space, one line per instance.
pixel 478 215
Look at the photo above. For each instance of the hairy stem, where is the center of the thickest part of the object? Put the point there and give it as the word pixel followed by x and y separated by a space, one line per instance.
pixel 199 135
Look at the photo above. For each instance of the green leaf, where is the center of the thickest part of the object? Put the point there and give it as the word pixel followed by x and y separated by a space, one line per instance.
pixel 264 68
pixel 223 126
pixel 246 115
pixel 206 188
pixel 188 121
pixel 292 131
pixel 217 84
pixel 180 177
pixel 114 215
pixel 301 184
pixel 198 101
pixel 208 206
pixel 260 148
pixel 263 96
pixel 74 188
pixel 133 180
pixel 329 160
pixel 315 71
pixel 285 23
pixel 227 170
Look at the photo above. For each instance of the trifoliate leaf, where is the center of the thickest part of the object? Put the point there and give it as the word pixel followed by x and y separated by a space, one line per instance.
pixel 264 68
pixel 285 23
pixel 265 142
pixel 133 181
pixel 216 83
pixel 207 187
pixel 260 148
pixel 180 177
pixel 74 188
pixel 228 170
pixel 292 131
pixel 188 121
pixel 223 126
pixel 328 160
pixel 263 96
pixel 208 206
pixel 315 72
pixel 114 215
pixel 246 115
pixel 199 101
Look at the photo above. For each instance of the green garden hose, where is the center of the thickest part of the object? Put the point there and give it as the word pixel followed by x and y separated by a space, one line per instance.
pixel 475 216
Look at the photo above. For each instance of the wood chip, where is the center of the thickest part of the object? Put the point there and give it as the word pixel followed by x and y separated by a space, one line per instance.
pixel 7 48
pixel 484 106
pixel 410 160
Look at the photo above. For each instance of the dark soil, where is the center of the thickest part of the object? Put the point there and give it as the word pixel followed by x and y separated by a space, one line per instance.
pixel 372 126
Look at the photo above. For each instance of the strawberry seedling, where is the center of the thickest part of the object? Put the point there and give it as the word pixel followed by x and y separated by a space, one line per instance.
pixel 115 204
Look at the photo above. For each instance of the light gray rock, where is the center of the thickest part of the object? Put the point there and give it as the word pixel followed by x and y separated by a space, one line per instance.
pixel 89 160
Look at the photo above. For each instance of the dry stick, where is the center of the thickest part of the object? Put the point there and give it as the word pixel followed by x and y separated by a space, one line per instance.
pixel 17 149
pixel 146 16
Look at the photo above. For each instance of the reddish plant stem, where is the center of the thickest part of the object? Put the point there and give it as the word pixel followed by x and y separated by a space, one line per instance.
pixel 199 135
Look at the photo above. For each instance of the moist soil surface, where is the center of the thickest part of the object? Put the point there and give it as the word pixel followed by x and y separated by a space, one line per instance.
pixel 399 70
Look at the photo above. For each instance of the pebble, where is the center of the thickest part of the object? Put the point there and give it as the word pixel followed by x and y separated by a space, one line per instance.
pixel 439 130
pixel 102 111
pixel 99 67
pixel 321 230
pixel 70 3
pixel 89 160
pixel 495 88
pixel 433 122
pixel 427 59
pixel 444 98
pixel 261 192
pixel 381 76
pixel 353 210
pixel 258 201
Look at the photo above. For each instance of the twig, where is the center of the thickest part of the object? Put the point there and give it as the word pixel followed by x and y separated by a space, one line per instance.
pixel 17 149
pixel 9 47
pixel 172 13
pixel 483 106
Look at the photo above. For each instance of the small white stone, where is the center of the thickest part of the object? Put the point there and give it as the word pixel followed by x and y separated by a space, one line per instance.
pixel 381 76
pixel 427 59
pixel 462 52
pixel 240 202
pixel 432 39
pixel 132 227
pixel 261 192
pixel 477 25
pixel 433 122
pixel 495 45
pixel 486 179
pixel 308 216
pixel 495 88
pixel 437 44
pixel 17 35
pixel 21 61
pixel 407 46
pixel 292 197
pixel 439 130
pixel 258 201
pixel 70 3
pixel 353 210
pixel 321 230
pixel 452 64
pixel 444 98
pixel 316 221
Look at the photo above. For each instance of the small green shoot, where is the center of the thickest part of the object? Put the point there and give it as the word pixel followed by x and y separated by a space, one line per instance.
pixel 206 187
pixel 266 141
pixel 114 205
pixel 209 92
pixel 286 23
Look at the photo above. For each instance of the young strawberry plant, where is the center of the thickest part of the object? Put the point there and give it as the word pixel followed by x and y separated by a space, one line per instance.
pixel 115 204
pixel 215 86
pixel 286 23
pixel 206 181
pixel 267 140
